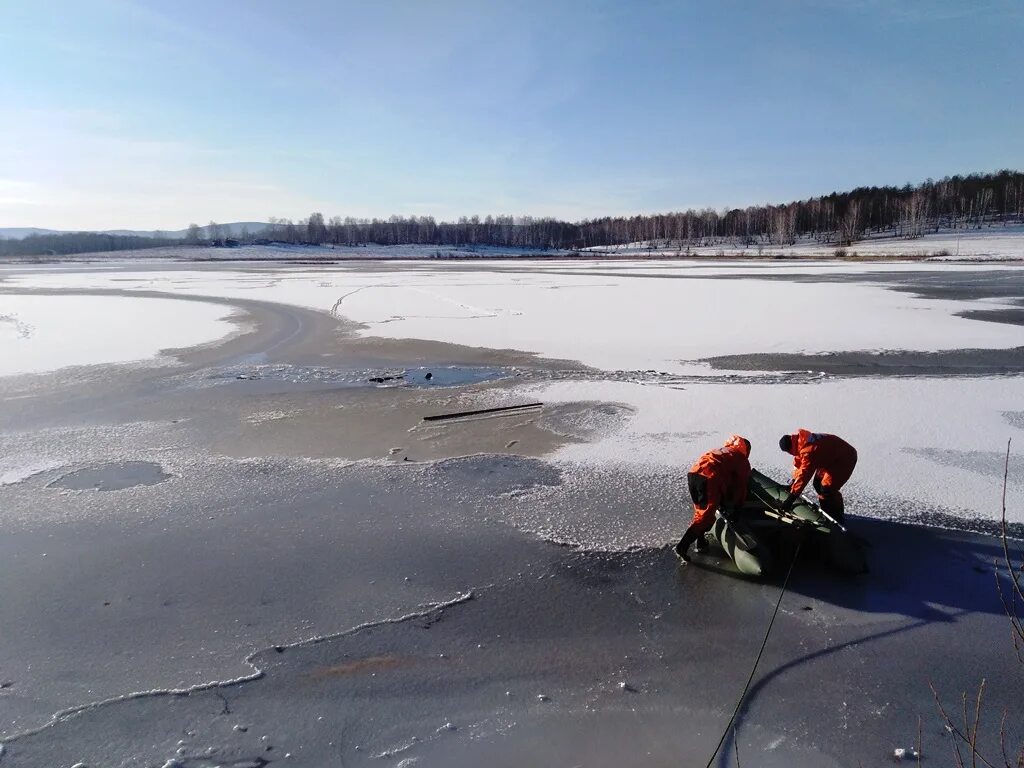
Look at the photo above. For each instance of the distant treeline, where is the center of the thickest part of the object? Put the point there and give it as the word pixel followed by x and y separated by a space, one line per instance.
pixel 841 218
pixel 78 242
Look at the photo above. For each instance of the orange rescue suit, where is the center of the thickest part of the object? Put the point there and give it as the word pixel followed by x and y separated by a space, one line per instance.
pixel 727 470
pixel 831 457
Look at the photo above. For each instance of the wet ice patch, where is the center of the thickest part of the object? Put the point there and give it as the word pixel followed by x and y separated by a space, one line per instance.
pixel 487 475
pixel 114 476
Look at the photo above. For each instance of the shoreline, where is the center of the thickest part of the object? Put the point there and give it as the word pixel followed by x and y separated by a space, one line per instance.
pixel 912 251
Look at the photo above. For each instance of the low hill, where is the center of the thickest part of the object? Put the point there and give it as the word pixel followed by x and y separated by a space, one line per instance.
pixel 233 229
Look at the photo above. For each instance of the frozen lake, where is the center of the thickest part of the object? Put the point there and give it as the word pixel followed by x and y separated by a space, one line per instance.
pixel 268 524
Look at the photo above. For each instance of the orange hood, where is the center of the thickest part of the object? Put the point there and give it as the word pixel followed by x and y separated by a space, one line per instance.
pixel 740 444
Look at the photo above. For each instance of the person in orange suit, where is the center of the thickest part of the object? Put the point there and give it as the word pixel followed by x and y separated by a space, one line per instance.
pixel 824 459
pixel 718 480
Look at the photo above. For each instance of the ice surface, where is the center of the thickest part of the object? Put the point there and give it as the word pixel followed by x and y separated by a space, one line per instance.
pixel 173 586
pixel 44 333
pixel 528 671
pixel 654 323
pixel 615 315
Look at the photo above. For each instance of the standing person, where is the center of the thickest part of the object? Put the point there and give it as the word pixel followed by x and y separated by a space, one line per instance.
pixel 718 480
pixel 828 459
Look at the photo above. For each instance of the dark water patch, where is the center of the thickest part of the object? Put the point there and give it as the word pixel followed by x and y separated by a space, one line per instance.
pixel 940 283
pixel 267 379
pixel 672 380
pixel 957 362
pixel 961 285
pixel 1006 285
pixel 452 376
pixel 1009 315
pixel 115 476
pixel 270 379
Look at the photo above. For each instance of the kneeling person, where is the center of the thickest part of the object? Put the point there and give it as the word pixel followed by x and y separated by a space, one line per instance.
pixel 718 480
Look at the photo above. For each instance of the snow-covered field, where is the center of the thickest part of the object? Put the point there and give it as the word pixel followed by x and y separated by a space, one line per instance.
pixel 998 243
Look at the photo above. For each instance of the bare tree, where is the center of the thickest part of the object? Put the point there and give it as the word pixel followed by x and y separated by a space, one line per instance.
pixel 316 231
pixel 914 215
pixel 850 227
pixel 214 233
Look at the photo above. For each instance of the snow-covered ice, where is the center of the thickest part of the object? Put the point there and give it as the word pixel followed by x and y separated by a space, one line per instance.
pixel 44 333
pixel 923 443
pixel 610 315
pixel 614 323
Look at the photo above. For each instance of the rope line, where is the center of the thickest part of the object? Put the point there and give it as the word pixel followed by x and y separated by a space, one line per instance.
pixel 753 671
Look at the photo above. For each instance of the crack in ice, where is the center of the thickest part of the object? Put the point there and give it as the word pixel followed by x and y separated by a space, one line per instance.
pixel 257 674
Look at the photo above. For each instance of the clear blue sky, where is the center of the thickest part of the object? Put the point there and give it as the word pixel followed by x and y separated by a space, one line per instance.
pixel 152 114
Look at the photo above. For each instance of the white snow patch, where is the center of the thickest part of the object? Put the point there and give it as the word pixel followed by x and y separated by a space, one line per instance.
pixel 87 330
pixel 900 427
